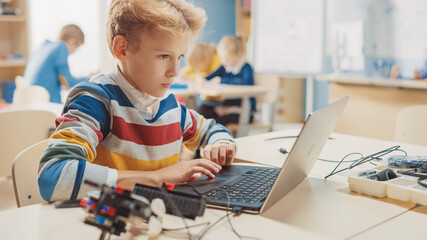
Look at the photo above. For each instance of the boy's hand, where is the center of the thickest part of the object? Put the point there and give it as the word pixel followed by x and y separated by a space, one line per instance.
pixel 220 153
pixel 184 170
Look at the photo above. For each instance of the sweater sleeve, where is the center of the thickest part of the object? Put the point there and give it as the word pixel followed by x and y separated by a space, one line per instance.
pixel 66 163
pixel 219 72
pixel 199 131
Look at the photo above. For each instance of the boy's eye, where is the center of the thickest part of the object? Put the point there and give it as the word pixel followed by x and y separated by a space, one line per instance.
pixel 164 56
pixel 181 56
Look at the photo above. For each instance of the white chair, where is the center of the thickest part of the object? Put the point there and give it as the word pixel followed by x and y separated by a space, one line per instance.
pixel 26 94
pixel 410 125
pixel 20 129
pixel 266 104
pixel 24 175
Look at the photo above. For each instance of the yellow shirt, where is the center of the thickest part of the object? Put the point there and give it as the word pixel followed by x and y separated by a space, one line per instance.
pixel 189 72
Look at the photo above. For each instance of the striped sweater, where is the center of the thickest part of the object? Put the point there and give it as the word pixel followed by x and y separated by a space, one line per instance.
pixel 107 125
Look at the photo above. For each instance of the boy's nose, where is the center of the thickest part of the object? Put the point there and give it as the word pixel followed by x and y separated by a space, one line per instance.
pixel 173 70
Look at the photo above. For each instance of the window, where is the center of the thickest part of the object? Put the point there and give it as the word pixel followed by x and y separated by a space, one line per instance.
pixel 47 17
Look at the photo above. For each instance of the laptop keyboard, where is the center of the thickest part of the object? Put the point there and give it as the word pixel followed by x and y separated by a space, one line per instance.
pixel 254 185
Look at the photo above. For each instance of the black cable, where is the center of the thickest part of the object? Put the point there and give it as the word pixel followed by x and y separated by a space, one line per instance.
pixel 189 185
pixel 190 226
pixel 341 161
pixel 228 215
pixel 420 182
pixel 284 137
pixel 281 137
pixel 236 210
pixel 204 231
pixel 166 195
pixel 207 228
pixel 373 157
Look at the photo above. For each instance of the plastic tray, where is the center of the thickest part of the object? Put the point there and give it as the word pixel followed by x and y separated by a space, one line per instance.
pixel 404 188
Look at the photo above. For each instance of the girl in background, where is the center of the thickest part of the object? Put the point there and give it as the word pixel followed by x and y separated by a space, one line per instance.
pixel 234 70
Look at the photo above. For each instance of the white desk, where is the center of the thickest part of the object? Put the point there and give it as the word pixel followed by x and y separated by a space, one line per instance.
pixel 409 225
pixel 44 222
pixel 315 209
pixel 228 92
pixel 326 207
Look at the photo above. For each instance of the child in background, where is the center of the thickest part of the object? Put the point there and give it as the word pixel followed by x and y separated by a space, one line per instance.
pixel 48 66
pixel 201 60
pixel 421 74
pixel 121 127
pixel 417 74
pixel 234 70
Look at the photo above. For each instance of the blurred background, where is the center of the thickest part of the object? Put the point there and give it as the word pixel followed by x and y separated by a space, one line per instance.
pixel 312 46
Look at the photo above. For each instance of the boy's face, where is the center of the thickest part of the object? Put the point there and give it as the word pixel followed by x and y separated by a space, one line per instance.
pixel 152 68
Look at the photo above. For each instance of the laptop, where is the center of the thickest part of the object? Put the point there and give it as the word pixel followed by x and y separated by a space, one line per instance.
pixel 255 189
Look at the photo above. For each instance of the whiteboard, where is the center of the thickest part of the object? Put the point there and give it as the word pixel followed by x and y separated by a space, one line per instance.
pixel 288 36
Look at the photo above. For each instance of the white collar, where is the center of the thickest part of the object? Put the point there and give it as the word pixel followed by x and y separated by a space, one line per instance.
pixel 237 68
pixel 142 101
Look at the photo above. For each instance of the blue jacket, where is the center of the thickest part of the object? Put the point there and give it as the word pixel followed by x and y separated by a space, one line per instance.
pixel 244 77
pixel 424 71
pixel 46 64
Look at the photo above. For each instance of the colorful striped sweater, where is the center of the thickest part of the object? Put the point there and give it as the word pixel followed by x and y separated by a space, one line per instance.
pixel 107 125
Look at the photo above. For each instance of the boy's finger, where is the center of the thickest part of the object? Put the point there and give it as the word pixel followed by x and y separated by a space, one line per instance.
pixel 214 154
pixel 231 148
pixel 222 154
pixel 207 152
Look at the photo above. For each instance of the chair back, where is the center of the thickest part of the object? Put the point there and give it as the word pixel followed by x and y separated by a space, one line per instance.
pixel 410 125
pixel 24 175
pixel 268 101
pixel 26 94
pixel 20 129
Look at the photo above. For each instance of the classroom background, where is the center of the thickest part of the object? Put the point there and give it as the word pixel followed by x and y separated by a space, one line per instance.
pixel 319 50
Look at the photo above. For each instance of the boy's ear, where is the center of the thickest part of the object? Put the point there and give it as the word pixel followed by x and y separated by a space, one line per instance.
pixel 120 47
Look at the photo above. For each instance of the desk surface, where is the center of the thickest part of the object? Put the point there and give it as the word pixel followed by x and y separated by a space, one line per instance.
pixel 326 207
pixel 42 221
pixel 221 90
pixel 314 209
pixel 373 81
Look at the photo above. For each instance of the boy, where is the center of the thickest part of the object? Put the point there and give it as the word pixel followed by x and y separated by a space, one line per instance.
pixel 119 127
pixel 48 66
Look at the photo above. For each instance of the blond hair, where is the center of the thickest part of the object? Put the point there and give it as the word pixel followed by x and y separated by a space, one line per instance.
pixel 200 53
pixel 71 31
pixel 130 17
pixel 231 45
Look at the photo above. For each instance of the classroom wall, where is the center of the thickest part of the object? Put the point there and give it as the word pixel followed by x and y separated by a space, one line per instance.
pixel 395 34
pixel 221 20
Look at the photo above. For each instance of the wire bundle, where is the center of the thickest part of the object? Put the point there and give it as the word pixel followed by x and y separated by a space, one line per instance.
pixel 363 159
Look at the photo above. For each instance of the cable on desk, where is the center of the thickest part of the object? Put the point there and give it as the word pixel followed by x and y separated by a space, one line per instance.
pixel 236 210
pixel 166 195
pixel 357 162
pixel 421 183
pixel 284 137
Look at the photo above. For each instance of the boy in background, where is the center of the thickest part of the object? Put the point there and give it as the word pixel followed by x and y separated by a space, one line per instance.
pixel 48 66
pixel 234 70
pixel 119 127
